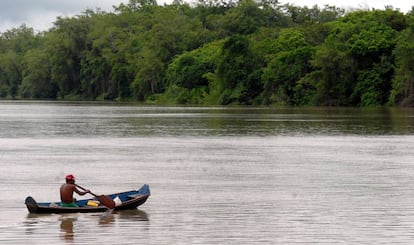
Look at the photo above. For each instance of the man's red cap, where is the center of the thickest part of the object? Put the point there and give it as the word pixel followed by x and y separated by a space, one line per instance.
pixel 70 177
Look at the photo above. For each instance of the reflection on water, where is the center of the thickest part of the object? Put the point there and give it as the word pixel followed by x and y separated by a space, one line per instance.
pixel 107 218
pixel 133 215
pixel 73 225
pixel 218 175
pixel 66 227
pixel 44 119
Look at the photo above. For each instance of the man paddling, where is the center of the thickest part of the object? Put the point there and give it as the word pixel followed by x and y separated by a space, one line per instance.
pixel 66 192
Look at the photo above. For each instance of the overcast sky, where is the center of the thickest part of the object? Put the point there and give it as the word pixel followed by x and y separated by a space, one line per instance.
pixel 40 14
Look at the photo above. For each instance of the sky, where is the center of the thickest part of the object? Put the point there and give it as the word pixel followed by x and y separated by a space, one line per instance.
pixel 40 14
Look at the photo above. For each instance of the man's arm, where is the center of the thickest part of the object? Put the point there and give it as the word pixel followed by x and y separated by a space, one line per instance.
pixel 81 192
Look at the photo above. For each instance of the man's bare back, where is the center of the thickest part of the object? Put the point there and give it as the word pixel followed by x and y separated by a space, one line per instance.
pixel 66 193
pixel 67 189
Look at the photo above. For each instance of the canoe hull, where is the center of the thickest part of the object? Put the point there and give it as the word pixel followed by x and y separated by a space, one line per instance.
pixel 129 200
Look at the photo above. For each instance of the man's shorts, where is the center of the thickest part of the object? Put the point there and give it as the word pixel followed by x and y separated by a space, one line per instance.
pixel 68 205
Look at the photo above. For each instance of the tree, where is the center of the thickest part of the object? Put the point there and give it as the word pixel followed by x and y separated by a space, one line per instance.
pixel 236 71
pixel 289 63
pixel 14 44
pixel 66 43
pixel 243 19
pixel 134 5
pixel 37 82
pixel 216 52
pixel 188 70
pixel 402 91
pixel 148 77
pixel 10 74
pixel 336 76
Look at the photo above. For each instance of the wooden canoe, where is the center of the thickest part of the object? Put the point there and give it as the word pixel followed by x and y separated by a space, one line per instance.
pixel 128 200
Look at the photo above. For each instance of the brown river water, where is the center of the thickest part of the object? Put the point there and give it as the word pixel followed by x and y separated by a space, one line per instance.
pixel 237 175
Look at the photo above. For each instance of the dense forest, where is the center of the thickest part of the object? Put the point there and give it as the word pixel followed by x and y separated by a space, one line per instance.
pixel 216 53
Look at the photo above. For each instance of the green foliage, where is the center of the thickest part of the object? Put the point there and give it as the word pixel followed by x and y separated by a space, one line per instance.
pixel 149 76
pixel 135 5
pixel 290 61
pixel 356 59
pixel 334 86
pixel 13 46
pixel 36 76
pixel 189 69
pixel 179 95
pixel 236 72
pixel 305 15
pixel 243 19
pixel 372 88
pixel 403 82
pixel 216 52
pixel 10 74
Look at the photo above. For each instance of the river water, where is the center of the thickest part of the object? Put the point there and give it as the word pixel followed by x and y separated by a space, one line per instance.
pixel 237 175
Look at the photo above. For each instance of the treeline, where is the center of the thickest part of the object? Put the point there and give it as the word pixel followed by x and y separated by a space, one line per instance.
pixel 215 52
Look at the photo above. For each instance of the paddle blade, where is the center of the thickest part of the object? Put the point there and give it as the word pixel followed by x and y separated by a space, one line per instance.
pixel 106 201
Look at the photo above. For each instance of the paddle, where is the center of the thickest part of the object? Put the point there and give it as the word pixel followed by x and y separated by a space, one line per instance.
pixel 105 200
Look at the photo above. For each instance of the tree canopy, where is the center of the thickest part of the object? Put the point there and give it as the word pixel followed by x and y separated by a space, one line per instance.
pixel 216 52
